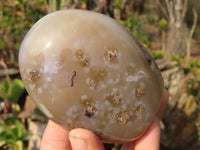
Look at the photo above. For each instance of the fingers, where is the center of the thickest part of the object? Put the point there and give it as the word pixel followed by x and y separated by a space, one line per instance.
pixel 55 137
pixel 163 104
pixel 151 139
pixel 82 139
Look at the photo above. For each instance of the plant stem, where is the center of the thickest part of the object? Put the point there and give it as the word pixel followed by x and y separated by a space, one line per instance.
pixel 188 51
pixel 3 64
pixel 163 40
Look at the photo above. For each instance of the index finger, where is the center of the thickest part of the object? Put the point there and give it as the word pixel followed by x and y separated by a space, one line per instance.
pixel 55 137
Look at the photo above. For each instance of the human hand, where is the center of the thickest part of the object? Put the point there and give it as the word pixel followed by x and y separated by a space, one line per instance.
pixel 58 138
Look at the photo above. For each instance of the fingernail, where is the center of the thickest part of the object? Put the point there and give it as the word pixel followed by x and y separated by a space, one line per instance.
pixel 77 143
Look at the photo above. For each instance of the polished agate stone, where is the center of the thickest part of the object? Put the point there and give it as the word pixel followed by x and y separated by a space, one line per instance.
pixel 85 70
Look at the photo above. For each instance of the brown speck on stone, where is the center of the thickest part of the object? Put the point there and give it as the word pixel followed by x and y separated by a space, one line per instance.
pixel 93 83
pixel 110 55
pixel 114 98
pixel 60 59
pixel 70 126
pixel 110 115
pixel 74 124
pixel 60 62
pixel 87 102
pixel 90 110
pixel 89 107
pixel 139 91
pixel 130 70
pixel 96 77
pixel 33 75
pixel 101 74
pixel 83 59
pixel 138 111
pixel 79 54
pixel 123 117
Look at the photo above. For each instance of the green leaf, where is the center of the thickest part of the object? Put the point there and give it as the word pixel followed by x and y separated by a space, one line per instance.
pixel 4 88
pixel 163 25
pixel 190 64
pixel 16 46
pixel 16 90
pixel 186 70
pixel 38 112
pixel 18 132
pixel 19 144
pixel 197 63
pixel 117 4
pixel 2 45
pixel 151 20
pixel 84 1
pixel 25 136
pixel 6 85
pixel 196 72
pixel 158 55
pixel 176 58
pixel 2 142
pixel 41 2
pixel 13 134
pixel 194 91
pixel 6 13
pixel 11 90
pixel 10 121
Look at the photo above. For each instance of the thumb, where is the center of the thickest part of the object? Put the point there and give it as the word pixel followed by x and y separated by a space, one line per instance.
pixel 82 139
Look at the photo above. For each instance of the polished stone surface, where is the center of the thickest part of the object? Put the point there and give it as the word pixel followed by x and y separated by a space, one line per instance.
pixel 84 69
